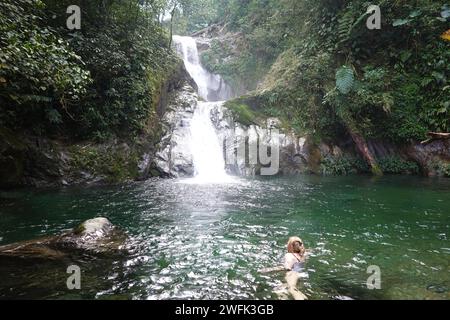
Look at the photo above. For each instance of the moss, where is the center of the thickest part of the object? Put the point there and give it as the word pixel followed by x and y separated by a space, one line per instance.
pixel 248 110
pixel 376 170
pixel 157 80
pixel 79 229
pixel 282 71
pixel 159 85
pixel 115 163
pixel 242 113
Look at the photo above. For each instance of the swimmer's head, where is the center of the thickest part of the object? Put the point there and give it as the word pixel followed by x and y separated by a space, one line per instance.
pixel 295 245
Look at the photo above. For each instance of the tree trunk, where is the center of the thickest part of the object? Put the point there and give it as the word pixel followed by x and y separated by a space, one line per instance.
pixel 171 26
pixel 363 148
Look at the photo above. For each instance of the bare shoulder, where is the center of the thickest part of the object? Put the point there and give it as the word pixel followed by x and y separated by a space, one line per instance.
pixel 289 256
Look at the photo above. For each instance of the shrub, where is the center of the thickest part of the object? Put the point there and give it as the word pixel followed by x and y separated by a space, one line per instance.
pixel 344 165
pixel 397 165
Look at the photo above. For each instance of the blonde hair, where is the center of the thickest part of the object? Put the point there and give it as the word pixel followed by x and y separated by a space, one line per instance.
pixel 290 244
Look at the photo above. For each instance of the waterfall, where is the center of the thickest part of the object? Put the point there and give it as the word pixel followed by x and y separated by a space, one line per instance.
pixel 211 87
pixel 207 151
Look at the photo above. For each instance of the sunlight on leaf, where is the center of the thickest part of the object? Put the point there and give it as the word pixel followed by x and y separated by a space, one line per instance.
pixel 400 22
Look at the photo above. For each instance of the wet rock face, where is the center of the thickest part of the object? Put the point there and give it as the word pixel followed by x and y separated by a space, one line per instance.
pixel 97 235
pixel 296 154
pixel 432 157
pixel 174 158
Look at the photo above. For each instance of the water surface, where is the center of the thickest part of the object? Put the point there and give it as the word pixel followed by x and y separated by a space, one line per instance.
pixel 196 241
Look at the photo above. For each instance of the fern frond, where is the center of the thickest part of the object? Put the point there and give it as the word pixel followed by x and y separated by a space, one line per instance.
pixel 345 79
pixel 345 27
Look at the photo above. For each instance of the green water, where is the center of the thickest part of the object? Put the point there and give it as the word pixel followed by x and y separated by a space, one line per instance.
pixel 208 241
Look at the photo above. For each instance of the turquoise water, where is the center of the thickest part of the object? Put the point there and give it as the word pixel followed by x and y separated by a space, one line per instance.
pixel 209 241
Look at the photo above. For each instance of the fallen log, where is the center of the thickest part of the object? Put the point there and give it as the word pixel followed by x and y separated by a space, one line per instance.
pixel 436 136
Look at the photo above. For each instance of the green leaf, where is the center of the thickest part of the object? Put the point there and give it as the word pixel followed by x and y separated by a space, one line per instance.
pixel 415 13
pixel 345 79
pixel 445 11
pixel 438 76
pixel 405 56
pixel 400 22
pixel 426 81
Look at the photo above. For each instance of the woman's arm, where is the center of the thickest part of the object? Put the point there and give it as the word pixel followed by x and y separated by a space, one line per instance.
pixel 273 269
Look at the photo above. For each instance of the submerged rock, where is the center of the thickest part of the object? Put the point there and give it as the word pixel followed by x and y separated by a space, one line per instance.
pixel 97 235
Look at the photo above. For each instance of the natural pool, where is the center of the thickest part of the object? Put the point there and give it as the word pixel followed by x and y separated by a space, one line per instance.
pixel 191 241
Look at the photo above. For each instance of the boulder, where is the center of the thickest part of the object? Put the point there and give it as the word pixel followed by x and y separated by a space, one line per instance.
pixel 174 158
pixel 97 235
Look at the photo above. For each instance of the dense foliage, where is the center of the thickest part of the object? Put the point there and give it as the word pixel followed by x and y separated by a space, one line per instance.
pixel 192 15
pixel 313 63
pixel 98 81
pixel 328 73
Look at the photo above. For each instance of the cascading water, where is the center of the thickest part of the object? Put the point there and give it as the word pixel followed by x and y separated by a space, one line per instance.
pixel 211 87
pixel 207 152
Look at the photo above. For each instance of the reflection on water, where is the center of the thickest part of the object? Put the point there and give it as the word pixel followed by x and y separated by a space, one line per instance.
pixel 209 241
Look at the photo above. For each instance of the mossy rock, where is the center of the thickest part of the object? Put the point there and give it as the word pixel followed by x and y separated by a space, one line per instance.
pixel 241 113
pixel 247 110
pixel 115 163
pixel 79 229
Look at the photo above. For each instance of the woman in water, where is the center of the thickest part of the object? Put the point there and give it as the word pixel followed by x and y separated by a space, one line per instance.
pixel 293 264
